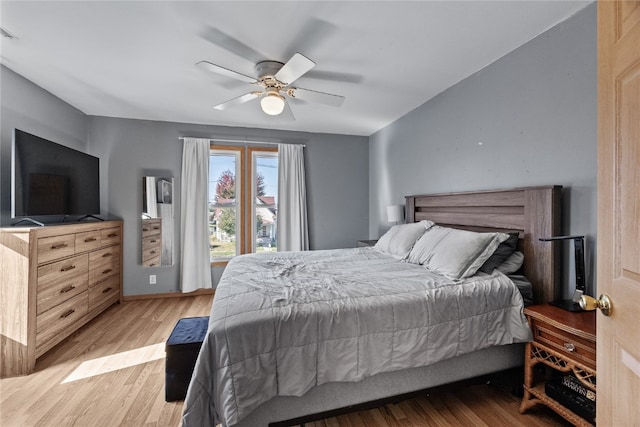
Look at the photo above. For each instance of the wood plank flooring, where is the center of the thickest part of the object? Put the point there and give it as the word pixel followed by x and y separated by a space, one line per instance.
pixel 111 373
pixel 478 405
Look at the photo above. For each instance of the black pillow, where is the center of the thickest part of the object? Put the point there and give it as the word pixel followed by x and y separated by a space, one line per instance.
pixel 501 253
pixel 525 287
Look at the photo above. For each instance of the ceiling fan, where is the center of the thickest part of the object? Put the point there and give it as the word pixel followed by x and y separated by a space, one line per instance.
pixel 275 79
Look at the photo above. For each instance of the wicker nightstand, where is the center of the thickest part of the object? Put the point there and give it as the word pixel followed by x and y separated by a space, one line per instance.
pixel 566 343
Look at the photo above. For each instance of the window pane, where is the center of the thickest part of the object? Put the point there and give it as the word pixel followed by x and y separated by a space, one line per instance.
pixel 266 227
pixel 222 233
pixel 265 188
pixel 224 196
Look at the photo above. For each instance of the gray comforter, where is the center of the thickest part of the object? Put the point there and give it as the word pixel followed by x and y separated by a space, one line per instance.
pixel 285 322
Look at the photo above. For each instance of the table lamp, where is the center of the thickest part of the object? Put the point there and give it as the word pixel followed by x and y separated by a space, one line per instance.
pixel 573 303
pixel 395 214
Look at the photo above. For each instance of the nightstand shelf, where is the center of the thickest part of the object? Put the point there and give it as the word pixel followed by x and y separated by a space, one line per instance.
pixel 542 398
pixel 565 343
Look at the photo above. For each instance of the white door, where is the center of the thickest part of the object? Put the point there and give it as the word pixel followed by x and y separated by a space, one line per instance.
pixel 618 336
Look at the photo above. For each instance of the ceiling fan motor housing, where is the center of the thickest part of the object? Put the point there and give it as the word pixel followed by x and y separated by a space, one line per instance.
pixel 267 68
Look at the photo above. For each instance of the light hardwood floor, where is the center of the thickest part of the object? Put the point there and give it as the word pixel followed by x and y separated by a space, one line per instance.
pixel 111 373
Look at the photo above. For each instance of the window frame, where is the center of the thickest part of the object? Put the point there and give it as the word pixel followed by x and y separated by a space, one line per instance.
pixel 246 185
pixel 251 218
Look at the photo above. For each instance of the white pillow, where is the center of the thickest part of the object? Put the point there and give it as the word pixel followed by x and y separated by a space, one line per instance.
pixel 512 263
pixel 399 240
pixel 454 253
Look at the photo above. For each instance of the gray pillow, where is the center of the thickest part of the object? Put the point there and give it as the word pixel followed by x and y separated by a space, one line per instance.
pixel 453 253
pixel 399 240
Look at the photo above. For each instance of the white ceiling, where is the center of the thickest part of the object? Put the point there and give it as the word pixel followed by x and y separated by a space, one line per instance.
pixel 136 59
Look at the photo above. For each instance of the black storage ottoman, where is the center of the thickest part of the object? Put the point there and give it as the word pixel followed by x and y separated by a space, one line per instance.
pixel 182 351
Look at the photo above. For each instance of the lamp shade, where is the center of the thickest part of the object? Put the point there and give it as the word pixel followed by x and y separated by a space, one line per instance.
pixel 272 104
pixel 395 213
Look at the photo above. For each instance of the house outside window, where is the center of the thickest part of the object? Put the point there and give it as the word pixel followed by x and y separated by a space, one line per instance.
pixel 243 192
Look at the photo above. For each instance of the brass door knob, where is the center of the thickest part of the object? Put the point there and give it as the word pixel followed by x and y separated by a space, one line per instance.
pixel 603 303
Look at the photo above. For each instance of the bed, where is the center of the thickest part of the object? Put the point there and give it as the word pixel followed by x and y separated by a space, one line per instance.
pixel 363 324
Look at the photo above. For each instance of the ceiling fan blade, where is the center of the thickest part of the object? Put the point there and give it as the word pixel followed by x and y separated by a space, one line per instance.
pixel 315 96
pixel 294 68
pixel 206 65
pixel 334 76
pixel 231 44
pixel 313 33
pixel 236 101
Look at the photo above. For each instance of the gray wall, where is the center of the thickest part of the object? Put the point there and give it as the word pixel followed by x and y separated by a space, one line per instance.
pixel 336 166
pixel 32 109
pixel 534 111
pixel 337 184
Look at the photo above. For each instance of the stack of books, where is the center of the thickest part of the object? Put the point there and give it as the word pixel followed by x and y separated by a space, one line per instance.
pixel 572 394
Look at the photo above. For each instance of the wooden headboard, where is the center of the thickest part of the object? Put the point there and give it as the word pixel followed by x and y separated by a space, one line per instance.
pixel 533 212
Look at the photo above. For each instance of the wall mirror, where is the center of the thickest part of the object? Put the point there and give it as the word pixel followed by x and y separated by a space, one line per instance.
pixel 157 221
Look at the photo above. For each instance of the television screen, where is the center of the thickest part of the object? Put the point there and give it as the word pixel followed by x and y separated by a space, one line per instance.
pixel 51 179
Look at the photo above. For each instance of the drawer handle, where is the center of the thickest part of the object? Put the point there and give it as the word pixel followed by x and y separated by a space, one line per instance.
pixel 112 235
pixel 67 313
pixel 152 252
pixel 90 239
pixel 156 228
pixel 152 241
pixel 107 271
pixel 145 229
pixel 106 255
pixel 71 267
pixel 569 346
pixel 67 289
pixel 107 290
pixel 59 246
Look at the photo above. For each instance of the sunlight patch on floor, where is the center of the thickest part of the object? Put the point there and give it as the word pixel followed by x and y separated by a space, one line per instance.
pixel 117 361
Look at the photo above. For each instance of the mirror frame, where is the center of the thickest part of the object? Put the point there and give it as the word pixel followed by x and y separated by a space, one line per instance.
pixel 157 221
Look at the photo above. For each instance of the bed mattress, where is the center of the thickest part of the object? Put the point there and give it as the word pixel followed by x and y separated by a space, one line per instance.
pixel 286 322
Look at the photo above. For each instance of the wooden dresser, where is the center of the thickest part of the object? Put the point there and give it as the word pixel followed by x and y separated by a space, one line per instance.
pixel 54 280
pixel 151 242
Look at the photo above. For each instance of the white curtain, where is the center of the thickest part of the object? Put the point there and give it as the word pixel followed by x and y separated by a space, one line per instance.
pixel 292 227
pixel 195 267
pixel 152 197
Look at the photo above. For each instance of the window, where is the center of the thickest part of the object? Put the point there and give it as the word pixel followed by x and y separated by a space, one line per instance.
pixel 243 194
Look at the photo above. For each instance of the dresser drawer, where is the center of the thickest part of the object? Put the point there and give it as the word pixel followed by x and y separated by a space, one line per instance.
pixel 152 242
pixel 151 247
pixel 52 325
pixel 61 280
pixel 105 256
pixel 52 248
pixel 154 261
pixel 111 236
pixel 151 227
pixel 104 293
pixel 577 348
pixel 55 279
pixel 88 240
pixel 110 266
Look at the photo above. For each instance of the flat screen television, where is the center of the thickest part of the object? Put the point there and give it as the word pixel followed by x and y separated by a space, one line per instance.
pixel 51 179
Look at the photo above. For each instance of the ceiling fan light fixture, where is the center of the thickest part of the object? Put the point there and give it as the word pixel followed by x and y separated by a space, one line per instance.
pixel 272 103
